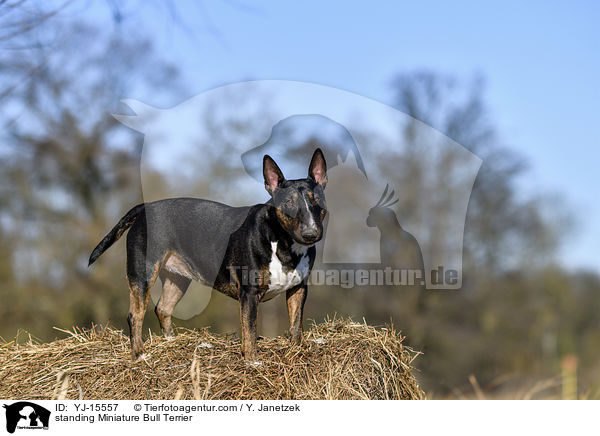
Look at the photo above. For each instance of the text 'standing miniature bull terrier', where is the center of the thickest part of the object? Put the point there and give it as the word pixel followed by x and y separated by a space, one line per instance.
pixel 250 253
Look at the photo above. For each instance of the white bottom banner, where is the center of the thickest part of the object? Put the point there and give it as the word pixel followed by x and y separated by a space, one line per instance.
pixel 294 417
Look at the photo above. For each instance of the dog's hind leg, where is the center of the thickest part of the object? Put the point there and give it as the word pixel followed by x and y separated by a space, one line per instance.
pixel 139 294
pixel 174 288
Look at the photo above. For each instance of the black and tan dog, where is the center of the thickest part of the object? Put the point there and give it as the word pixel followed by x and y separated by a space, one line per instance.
pixel 250 253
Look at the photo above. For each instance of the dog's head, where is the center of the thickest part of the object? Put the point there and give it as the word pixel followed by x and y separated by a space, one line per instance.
pixel 300 204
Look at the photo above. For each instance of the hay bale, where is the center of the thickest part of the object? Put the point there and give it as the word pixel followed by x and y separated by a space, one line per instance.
pixel 339 359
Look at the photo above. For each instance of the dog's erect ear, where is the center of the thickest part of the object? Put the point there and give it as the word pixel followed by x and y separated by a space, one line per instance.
pixel 272 174
pixel 318 168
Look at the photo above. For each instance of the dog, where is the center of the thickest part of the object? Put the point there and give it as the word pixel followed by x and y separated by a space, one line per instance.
pixel 251 253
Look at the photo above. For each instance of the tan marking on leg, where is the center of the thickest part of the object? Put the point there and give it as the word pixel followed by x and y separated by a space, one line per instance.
pixel 138 303
pixel 137 308
pixel 248 314
pixel 174 288
pixel 295 300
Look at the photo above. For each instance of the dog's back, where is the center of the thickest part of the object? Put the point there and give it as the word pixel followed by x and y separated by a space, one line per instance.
pixel 192 228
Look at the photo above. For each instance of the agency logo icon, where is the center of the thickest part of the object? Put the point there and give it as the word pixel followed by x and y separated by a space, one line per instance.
pixel 26 415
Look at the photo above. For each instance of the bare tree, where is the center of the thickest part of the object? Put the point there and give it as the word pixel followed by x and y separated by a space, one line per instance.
pixel 69 168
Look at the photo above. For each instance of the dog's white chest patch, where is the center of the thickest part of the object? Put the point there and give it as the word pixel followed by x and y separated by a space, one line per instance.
pixel 280 280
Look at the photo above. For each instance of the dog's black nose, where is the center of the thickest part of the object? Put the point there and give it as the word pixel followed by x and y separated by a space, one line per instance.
pixel 310 234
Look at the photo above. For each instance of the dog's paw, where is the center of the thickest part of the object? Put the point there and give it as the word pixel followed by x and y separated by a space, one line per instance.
pixel 251 359
pixel 296 340
pixel 139 357
pixel 168 334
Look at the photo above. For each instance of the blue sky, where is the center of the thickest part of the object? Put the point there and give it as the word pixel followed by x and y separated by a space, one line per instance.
pixel 540 61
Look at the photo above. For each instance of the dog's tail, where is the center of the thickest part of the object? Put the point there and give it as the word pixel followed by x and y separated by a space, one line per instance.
pixel 117 231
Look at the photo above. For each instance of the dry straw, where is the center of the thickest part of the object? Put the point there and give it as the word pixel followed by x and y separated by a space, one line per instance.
pixel 339 359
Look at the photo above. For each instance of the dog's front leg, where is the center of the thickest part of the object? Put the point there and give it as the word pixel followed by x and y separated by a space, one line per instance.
pixel 295 299
pixel 248 314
